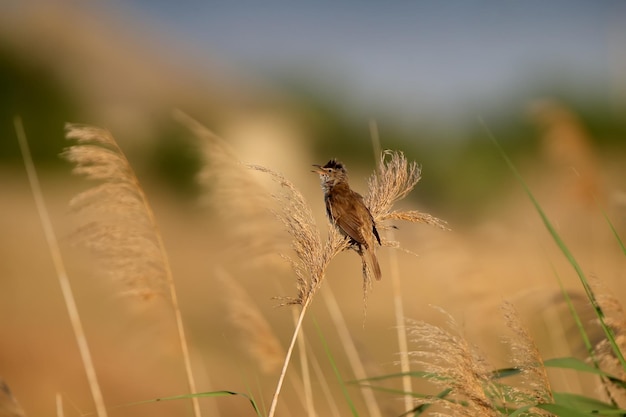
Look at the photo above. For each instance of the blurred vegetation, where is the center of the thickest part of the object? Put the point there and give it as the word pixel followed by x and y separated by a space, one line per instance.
pixel 32 92
pixel 175 161
pixel 460 170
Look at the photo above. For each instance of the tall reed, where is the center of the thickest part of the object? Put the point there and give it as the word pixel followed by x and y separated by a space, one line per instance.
pixel 61 271
pixel 393 181
pixel 120 225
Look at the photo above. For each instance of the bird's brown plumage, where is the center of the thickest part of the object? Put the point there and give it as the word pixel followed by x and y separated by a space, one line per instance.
pixel 347 210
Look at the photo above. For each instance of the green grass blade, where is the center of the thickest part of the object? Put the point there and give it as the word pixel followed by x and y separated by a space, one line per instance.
pixel 564 249
pixel 614 230
pixel 582 403
pixel 333 364
pixel 564 411
pixel 586 341
pixel 397 391
pixel 61 271
pixel 423 407
pixel 521 411
pixel 260 392
pixel 415 374
pixel 579 323
pixel 505 373
pixel 570 405
pixel 581 366
pixel 197 395
pixel 573 363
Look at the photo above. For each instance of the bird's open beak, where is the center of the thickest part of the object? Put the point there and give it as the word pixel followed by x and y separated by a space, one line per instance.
pixel 319 169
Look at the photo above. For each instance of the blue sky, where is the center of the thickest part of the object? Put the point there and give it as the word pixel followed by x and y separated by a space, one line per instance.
pixel 404 54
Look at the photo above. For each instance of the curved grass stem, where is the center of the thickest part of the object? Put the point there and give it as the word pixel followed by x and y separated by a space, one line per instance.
pixel 292 344
pixel 64 282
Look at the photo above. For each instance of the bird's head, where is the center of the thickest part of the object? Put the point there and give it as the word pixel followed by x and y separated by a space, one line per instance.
pixel 332 173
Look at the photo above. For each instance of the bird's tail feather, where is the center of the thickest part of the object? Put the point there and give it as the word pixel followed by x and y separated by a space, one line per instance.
pixel 372 261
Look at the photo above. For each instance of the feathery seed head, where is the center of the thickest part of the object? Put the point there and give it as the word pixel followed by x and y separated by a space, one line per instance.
pixel 116 220
pixel 392 183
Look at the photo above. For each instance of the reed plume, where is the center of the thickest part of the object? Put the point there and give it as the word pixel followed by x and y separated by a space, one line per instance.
pixel 470 387
pixel 120 226
pixel 535 386
pixel 393 181
pixel 452 363
pixel 117 222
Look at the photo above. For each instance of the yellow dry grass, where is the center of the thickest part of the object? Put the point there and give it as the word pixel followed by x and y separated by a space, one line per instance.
pixel 467 272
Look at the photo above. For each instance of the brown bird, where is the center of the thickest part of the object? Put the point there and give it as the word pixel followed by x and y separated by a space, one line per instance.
pixel 347 211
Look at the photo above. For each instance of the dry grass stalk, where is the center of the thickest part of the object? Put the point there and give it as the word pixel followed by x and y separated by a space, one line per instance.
pixel 121 226
pixel 243 203
pixel 453 364
pixel 352 352
pixel 59 265
pixel 59 405
pixel 320 379
pixel 257 338
pixel 312 257
pixel 526 358
pixel 307 386
pixel 396 285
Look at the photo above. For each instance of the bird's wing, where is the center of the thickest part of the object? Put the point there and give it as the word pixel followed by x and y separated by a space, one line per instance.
pixel 375 231
pixel 349 214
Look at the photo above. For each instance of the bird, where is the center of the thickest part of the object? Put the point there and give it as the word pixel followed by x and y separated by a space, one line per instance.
pixel 347 211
